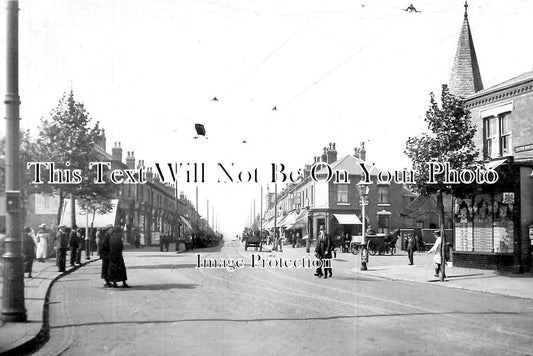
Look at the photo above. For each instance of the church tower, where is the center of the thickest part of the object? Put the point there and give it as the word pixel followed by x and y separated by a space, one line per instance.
pixel 466 78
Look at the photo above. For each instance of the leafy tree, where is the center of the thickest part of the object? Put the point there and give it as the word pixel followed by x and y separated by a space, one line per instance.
pixel 450 140
pixel 68 139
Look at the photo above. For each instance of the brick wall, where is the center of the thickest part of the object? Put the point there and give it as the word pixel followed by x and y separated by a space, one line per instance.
pixel 499 261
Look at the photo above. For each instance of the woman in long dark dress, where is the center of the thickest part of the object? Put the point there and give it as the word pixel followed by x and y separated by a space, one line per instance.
pixel 28 250
pixel 116 271
pixel 104 255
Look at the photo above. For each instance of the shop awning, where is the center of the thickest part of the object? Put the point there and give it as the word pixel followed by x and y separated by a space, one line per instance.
pixel 347 219
pixel 289 219
pixel 496 163
pixel 84 219
pixel 301 220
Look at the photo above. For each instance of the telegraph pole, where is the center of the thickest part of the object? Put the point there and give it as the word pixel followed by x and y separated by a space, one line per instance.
pixel 13 309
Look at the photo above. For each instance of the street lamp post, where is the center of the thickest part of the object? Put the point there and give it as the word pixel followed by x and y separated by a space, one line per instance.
pixel 363 193
pixel 13 308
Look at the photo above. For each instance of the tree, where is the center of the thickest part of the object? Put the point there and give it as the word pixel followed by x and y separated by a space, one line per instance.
pixel 450 140
pixel 68 139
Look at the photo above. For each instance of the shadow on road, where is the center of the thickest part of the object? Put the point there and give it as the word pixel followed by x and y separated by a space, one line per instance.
pixel 164 266
pixel 165 286
pixel 162 256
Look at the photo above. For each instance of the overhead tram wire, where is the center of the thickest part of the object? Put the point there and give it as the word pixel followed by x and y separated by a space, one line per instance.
pixel 343 62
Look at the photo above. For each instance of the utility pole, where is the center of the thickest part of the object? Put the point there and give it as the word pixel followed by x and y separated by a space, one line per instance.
pixel 13 308
pixel 275 247
pixel 261 217
pixel 207 211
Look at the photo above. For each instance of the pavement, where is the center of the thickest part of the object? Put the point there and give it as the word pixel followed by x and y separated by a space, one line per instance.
pixel 23 338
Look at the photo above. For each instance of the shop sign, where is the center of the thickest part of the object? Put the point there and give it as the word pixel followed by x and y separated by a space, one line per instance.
pixel 508 198
pixel 524 148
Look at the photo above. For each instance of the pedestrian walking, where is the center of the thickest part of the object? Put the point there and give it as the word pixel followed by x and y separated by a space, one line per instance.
pixel 28 250
pixel 143 241
pixel 437 258
pixel 99 238
pixel 104 255
pixel 81 244
pixel 42 243
pixel 412 246
pixel 327 256
pixel 117 268
pixel 73 244
pixel 320 251
pixel 62 246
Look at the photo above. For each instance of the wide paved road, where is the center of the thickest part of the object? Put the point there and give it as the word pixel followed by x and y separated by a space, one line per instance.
pixel 174 308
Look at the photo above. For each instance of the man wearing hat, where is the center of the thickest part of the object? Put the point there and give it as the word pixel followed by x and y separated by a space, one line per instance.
pixel 62 245
pixel 73 244
pixel 437 258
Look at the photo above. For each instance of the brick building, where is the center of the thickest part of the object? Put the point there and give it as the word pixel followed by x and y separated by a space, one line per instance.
pixel 494 223
pixel 305 206
pixel 152 208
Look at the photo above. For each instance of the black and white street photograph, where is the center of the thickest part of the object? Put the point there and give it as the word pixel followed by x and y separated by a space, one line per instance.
pixel 252 177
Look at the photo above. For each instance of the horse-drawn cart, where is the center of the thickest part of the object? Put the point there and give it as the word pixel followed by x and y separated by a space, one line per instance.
pixel 376 244
pixel 253 240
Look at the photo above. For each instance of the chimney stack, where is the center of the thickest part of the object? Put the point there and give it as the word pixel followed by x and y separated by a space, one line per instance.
pixel 130 160
pixel 116 152
pixel 331 153
pixel 325 155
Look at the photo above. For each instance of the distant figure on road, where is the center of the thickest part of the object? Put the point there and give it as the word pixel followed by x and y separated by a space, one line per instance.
pixel 412 246
pixel 42 243
pixel 436 251
pixel 28 250
pixel 117 269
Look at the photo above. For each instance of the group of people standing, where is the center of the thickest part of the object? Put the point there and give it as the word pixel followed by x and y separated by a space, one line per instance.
pixel 34 246
pixel 109 242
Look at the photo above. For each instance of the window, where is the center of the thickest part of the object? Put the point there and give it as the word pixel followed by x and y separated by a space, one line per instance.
pixel 419 224
pixel 342 193
pixel 383 194
pixel 490 137
pixel 505 134
pixel 383 224
pixel 497 136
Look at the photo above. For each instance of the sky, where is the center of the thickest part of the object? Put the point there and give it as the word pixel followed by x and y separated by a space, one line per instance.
pixel 343 71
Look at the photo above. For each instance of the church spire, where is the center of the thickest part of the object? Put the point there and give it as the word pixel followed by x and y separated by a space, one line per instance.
pixel 466 78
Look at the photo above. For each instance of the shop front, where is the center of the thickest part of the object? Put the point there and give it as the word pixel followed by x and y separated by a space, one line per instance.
pixel 492 223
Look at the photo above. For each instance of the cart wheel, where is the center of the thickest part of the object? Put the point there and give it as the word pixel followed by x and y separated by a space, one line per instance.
pixel 372 249
pixel 354 249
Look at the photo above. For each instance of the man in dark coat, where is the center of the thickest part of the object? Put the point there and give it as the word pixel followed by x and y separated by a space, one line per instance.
pixel 116 271
pixel 62 246
pixel 412 246
pixel 73 244
pixel 28 250
pixel 323 252
pixel 104 254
